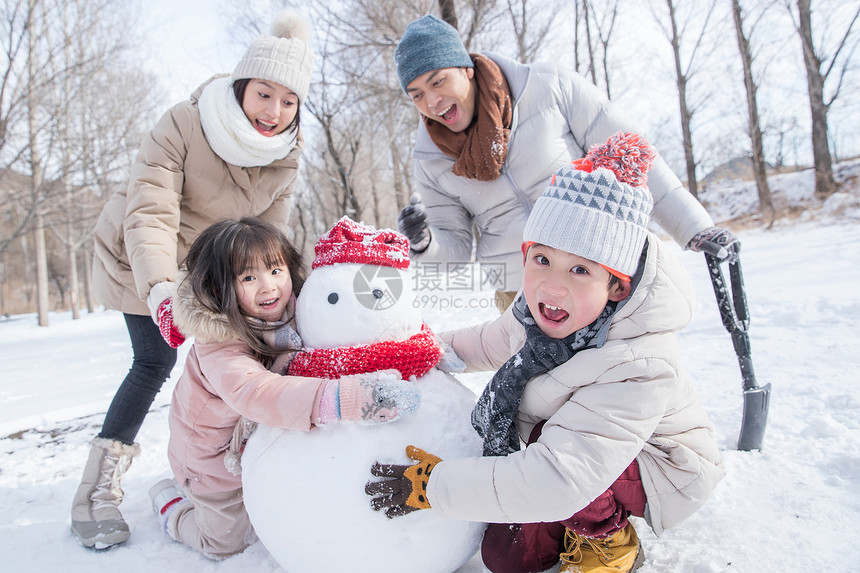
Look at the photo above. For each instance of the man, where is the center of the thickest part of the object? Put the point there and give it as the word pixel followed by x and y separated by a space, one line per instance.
pixel 493 132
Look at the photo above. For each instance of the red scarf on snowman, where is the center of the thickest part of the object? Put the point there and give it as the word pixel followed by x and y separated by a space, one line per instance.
pixel 351 242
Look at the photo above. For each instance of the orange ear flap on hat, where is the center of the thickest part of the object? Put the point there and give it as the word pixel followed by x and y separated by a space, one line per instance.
pixel 525 248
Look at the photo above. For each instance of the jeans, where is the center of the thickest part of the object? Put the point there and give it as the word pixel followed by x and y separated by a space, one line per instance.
pixel 152 363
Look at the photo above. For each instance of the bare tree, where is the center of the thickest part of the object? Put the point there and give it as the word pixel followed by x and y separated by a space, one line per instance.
pixel 18 205
pixel 33 102
pixel 759 167
pixel 529 42
pixel 48 180
pixel 449 13
pixel 592 67
pixel 605 25
pixel 825 184
pixel 684 72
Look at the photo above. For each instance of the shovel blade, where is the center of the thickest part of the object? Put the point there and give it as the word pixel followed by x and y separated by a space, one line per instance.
pixel 756 403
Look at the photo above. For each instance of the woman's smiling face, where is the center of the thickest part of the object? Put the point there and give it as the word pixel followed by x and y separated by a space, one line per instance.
pixel 270 107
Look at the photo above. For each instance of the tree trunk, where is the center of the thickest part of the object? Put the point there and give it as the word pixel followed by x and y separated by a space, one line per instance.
pixel 765 200
pixel 74 294
pixel 88 282
pixel 825 184
pixel 42 303
pixel 591 67
pixel 682 101
pixel 399 189
pixel 449 12
pixel 576 17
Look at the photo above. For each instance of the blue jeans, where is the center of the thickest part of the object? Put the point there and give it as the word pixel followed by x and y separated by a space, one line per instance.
pixel 153 361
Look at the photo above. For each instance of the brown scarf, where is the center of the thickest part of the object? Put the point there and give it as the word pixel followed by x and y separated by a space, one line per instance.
pixel 481 148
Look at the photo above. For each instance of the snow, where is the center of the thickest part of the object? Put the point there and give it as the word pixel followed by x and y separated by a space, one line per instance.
pixel 790 507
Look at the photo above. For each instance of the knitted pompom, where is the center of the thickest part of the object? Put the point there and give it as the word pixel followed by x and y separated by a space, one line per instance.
pixel 627 155
pixel 289 24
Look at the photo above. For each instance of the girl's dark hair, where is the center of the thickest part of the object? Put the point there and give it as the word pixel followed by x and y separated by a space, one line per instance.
pixel 239 91
pixel 225 250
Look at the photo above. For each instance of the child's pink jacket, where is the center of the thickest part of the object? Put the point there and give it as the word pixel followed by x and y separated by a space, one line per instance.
pixel 223 381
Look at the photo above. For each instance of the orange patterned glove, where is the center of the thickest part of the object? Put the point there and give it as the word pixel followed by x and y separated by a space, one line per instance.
pixel 407 491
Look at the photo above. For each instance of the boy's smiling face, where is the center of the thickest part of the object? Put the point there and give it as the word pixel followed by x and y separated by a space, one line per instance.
pixel 566 292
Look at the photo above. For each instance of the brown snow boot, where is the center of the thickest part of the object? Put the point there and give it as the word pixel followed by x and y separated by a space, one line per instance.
pixel 96 520
pixel 619 552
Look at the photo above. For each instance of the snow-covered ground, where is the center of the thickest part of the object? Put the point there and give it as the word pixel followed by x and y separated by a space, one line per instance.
pixel 790 507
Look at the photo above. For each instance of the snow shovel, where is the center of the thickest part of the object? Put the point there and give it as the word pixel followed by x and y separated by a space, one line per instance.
pixel 735 315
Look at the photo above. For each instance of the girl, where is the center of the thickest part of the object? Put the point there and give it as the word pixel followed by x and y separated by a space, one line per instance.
pixel 237 300
pixel 232 150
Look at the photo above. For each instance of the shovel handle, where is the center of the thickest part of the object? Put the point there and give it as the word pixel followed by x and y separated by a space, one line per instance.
pixel 734 313
pixel 733 310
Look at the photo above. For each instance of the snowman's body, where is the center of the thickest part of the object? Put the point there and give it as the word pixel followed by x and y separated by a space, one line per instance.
pixel 330 525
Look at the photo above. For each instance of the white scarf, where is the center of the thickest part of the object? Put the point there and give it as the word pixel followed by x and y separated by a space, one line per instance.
pixel 229 133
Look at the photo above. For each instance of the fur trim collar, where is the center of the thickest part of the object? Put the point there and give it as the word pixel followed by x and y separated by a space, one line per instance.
pixel 192 319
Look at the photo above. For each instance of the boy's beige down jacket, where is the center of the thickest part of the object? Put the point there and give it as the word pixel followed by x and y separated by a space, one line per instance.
pixel 178 188
pixel 558 116
pixel 628 399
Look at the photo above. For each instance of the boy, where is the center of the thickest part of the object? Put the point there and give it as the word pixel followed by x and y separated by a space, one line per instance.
pixel 590 381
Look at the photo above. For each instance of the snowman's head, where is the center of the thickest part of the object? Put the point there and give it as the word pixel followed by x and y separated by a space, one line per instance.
pixel 353 305
pixel 358 291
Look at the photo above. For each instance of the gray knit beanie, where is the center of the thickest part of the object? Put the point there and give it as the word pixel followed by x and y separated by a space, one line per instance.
pixel 429 44
pixel 598 207
pixel 284 57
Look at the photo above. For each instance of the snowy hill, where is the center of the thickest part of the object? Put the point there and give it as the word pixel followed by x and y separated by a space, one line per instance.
pixel 781 509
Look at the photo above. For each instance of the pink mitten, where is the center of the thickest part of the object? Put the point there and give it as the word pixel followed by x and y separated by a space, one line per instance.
pixel 373 398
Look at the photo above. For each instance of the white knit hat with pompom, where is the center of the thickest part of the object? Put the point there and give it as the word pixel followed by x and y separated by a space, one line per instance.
pixel 285 57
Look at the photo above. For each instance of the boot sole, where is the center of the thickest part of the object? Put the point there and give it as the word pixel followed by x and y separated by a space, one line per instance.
pixel 101 540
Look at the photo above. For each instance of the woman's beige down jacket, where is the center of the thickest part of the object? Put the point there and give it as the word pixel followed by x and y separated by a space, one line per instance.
pixel 558 116
pixel 628 399
pixel 178 188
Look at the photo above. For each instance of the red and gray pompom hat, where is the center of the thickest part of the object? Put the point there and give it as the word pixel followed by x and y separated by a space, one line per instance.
pixel 598 207
pixel 356 243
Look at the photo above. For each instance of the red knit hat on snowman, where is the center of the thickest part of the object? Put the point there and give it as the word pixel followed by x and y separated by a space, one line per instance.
pixel 351 242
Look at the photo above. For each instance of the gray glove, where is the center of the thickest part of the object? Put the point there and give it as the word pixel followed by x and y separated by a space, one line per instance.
pixel 449 362
pixel 412 222
pixel 717 242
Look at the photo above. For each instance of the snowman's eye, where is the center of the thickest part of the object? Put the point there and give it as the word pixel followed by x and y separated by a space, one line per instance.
pixel 332 298
pixel 377 293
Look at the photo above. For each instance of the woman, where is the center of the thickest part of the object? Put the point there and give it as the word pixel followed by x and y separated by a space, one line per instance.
pixel 230 151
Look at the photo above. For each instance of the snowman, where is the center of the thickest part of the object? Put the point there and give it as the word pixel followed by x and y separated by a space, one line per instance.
pixel 304 491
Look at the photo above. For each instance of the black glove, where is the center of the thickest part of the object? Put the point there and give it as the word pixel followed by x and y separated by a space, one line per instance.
pixel 412 222
pixel 407 492
pixel 717 242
